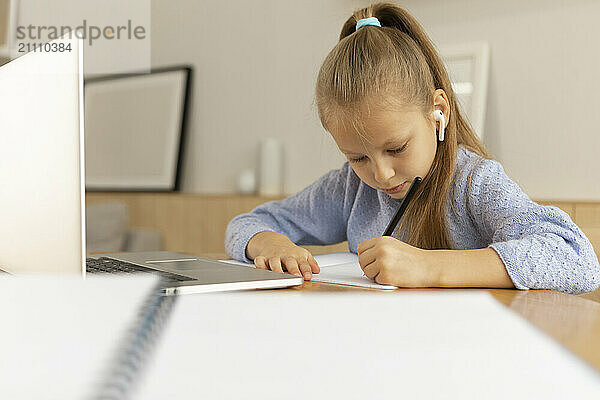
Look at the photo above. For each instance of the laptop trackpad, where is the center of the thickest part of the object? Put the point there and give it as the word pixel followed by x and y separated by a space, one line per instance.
pixel 186 265
pixel 201 269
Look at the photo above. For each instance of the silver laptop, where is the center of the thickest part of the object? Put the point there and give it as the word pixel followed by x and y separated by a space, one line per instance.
pixel 42 188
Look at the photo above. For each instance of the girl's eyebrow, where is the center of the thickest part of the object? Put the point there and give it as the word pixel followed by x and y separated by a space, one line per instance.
pixel 348 152
pixel 396 142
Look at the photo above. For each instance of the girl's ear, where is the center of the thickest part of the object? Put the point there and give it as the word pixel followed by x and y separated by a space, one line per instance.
pixel 441 105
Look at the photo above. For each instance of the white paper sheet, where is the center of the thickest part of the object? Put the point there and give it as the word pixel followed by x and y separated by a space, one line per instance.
pixel 337 268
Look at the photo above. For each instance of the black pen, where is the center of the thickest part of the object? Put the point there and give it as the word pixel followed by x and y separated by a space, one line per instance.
pixel 394 222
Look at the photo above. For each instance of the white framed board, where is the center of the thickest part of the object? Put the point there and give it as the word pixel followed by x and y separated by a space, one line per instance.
pixel 134 130
pixel 468 67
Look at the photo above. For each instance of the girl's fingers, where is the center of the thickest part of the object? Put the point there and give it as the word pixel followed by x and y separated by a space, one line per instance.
pixel 366 258
pixel 313 264
pixel 365 245
pixel 306 270
pixel 371 270
pixel 275 264
pixel 292 266
pixel 260 262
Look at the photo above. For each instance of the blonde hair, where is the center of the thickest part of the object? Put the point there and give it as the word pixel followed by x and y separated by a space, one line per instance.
pixel 398 64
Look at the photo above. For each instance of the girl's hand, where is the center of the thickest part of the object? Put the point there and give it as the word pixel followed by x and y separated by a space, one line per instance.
pixel 278 253
pixel 390 261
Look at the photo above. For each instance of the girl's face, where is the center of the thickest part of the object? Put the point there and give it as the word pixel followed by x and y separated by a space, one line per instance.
pixel 399 146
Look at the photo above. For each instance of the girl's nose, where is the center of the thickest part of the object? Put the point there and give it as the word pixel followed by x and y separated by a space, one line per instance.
pixel 383 172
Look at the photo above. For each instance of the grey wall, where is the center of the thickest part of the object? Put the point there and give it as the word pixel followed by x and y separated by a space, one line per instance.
pixel 256 64
pixel 542 122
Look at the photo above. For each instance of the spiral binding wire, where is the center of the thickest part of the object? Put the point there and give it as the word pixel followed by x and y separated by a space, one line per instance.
pixel 125 368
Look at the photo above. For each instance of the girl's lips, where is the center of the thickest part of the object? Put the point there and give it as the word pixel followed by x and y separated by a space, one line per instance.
pixel 395 189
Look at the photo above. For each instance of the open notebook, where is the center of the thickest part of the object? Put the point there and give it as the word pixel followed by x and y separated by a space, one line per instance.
pixel 358 345
pixel 340 269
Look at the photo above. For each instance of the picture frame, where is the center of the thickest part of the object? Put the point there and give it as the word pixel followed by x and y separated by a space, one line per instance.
pixel 8 21
pixel 135 126
pixel 468 67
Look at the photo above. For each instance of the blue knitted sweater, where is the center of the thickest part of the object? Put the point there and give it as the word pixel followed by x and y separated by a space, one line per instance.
pixel 540 246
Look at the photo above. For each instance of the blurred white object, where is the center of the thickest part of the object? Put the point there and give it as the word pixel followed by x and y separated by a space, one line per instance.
pixel 108 231
pixel 246 182
pixel 271 168
pixel 143 239
pixel 106 226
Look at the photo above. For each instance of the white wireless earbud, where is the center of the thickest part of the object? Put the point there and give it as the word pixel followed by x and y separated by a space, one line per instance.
pixel 439 116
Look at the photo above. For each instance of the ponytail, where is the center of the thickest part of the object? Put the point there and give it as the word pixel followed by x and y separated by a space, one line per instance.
pixel 398 61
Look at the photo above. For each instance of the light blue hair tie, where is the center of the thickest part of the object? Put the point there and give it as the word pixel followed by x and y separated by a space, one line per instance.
pixel 367 21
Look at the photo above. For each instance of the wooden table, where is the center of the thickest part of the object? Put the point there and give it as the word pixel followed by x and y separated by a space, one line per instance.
pixel 572 321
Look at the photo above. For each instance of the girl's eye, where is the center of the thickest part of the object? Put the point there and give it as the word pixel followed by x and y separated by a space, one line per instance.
pixel 398 150
pixel 355 160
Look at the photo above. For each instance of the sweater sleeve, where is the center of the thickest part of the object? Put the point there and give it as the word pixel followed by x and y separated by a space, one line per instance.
pixel 317 215
pixel 540 246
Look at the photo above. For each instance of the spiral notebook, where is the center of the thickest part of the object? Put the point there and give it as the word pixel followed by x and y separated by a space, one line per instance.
pixel 73 339
pixel 68 338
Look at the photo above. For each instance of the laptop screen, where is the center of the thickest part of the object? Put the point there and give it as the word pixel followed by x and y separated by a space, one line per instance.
pixel 41 162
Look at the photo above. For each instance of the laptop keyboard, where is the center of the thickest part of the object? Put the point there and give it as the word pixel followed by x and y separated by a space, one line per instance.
pixel 108 265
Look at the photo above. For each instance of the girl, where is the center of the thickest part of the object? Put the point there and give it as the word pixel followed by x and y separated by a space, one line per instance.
pixel 468 224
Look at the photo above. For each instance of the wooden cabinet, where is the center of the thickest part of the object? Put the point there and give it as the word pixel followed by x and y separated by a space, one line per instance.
pixel 195 223
pixel 190 223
